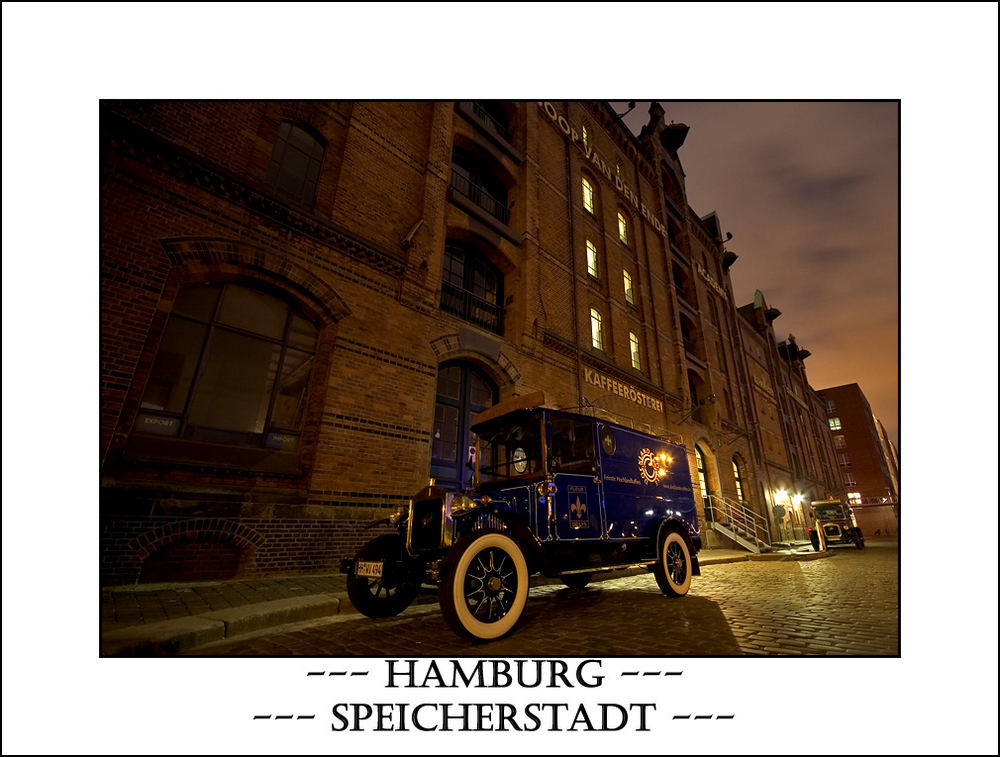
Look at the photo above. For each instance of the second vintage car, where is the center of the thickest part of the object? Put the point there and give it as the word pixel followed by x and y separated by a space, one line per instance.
pixel 834 525
pixel 556 493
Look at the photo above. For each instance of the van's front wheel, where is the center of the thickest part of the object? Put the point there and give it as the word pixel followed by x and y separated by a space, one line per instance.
pixel 673 565
pixel 485 586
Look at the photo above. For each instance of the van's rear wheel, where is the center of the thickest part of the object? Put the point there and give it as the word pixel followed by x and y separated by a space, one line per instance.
pixel 673 565
pixel 485 586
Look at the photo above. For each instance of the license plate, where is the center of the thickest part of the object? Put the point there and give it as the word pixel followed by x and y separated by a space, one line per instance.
pixel 368 569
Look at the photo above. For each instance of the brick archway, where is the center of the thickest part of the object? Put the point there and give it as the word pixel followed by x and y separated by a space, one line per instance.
pixel 210 251
pixel 196 549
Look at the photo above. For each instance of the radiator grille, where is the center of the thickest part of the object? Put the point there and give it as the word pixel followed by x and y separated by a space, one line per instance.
pixel 425 524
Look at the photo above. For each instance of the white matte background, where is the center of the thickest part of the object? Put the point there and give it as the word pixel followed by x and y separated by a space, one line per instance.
pixel 59 60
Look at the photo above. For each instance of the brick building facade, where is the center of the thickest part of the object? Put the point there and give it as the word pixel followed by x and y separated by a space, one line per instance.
pixel 867 458
pixel 304 303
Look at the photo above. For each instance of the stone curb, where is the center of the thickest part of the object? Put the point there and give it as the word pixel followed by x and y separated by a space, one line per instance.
pixel 170 637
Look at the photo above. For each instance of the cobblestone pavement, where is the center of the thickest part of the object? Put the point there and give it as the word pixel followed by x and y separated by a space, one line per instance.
pixel 846 604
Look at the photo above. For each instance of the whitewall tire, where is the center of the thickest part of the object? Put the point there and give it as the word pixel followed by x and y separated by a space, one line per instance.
pixel 485 586
pixel 673 565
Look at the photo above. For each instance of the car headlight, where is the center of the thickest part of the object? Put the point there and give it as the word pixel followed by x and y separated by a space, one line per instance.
pixel 462 504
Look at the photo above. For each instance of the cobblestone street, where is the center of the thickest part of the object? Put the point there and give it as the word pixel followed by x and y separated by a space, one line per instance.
pixel 846 604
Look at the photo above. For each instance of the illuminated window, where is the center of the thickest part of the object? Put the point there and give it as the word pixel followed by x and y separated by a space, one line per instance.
pixel 295 163
pixel 633 342
pixel 623 232
pixel 232 368
pixel 596 335
pixel 702 480
pixel 835 424
pixel 738 479
pixel 854 498
pixel 588 196
pixel 592 260
pixel 839 441
pixel 629 292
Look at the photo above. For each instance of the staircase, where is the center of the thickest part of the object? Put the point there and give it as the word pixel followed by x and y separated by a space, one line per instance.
pixel 738 522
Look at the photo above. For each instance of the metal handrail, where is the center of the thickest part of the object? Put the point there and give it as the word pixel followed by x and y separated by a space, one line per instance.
pixel 741 519
pixel 462 184
pixel 465 304
pixel 489 120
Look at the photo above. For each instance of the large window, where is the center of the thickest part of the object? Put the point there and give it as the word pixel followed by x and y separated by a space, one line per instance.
pixel 592 268
pixel 835 424
pixel 596 333
pixel 472 287
pixel 475 179
pixel 633 342
pixel 233 367
pixel 295 163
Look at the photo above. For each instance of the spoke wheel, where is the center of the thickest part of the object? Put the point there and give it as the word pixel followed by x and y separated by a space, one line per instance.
pixel 389 595
pixel 485 587
pixel 673 565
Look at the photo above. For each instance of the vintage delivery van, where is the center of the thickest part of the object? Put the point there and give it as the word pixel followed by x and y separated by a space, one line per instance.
pixel 551 492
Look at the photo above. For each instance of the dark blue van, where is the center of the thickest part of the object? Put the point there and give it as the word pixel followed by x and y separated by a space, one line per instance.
pixel 551 492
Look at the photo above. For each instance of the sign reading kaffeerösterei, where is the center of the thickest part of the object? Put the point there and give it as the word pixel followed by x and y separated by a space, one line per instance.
pixel 623 390
pixel 601 166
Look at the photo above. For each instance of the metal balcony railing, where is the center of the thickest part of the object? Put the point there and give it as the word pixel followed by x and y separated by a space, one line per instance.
pixel 462 184
pixel 489 120
pixel 465 304
pixel 737 520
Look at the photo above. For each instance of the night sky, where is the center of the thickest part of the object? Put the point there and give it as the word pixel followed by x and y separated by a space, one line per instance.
pixel 809 191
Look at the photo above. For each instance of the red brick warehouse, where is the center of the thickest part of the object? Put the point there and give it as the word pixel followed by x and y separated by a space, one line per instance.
pixel 304 303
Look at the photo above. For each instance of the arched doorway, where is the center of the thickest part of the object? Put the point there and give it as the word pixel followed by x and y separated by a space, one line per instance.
pixel 462 391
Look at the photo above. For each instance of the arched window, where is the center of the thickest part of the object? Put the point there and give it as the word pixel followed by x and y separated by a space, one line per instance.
pixel 472 287
pixel 738 479
pixel 624 233
pixel 699 457
pixel 596 333
pixel 588 196
pixel 633 342
pixel 295 163
pixel 592 267
pixel 233 367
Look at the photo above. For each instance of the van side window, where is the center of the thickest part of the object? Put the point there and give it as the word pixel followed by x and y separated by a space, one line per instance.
pixel 573 448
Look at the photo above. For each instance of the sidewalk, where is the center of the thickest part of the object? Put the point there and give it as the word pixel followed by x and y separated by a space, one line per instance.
pixel 147 620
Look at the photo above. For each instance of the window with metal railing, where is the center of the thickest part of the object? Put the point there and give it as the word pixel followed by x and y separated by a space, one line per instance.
pixel 472 287
pixel 473 179
pixel 493 117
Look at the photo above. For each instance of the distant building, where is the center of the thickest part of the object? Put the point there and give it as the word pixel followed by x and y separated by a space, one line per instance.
pixel 868 461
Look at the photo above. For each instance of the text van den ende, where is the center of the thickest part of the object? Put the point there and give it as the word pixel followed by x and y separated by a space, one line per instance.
pixel 493 674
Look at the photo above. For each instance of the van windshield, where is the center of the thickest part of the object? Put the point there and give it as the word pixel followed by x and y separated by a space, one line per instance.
pixel 510 449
